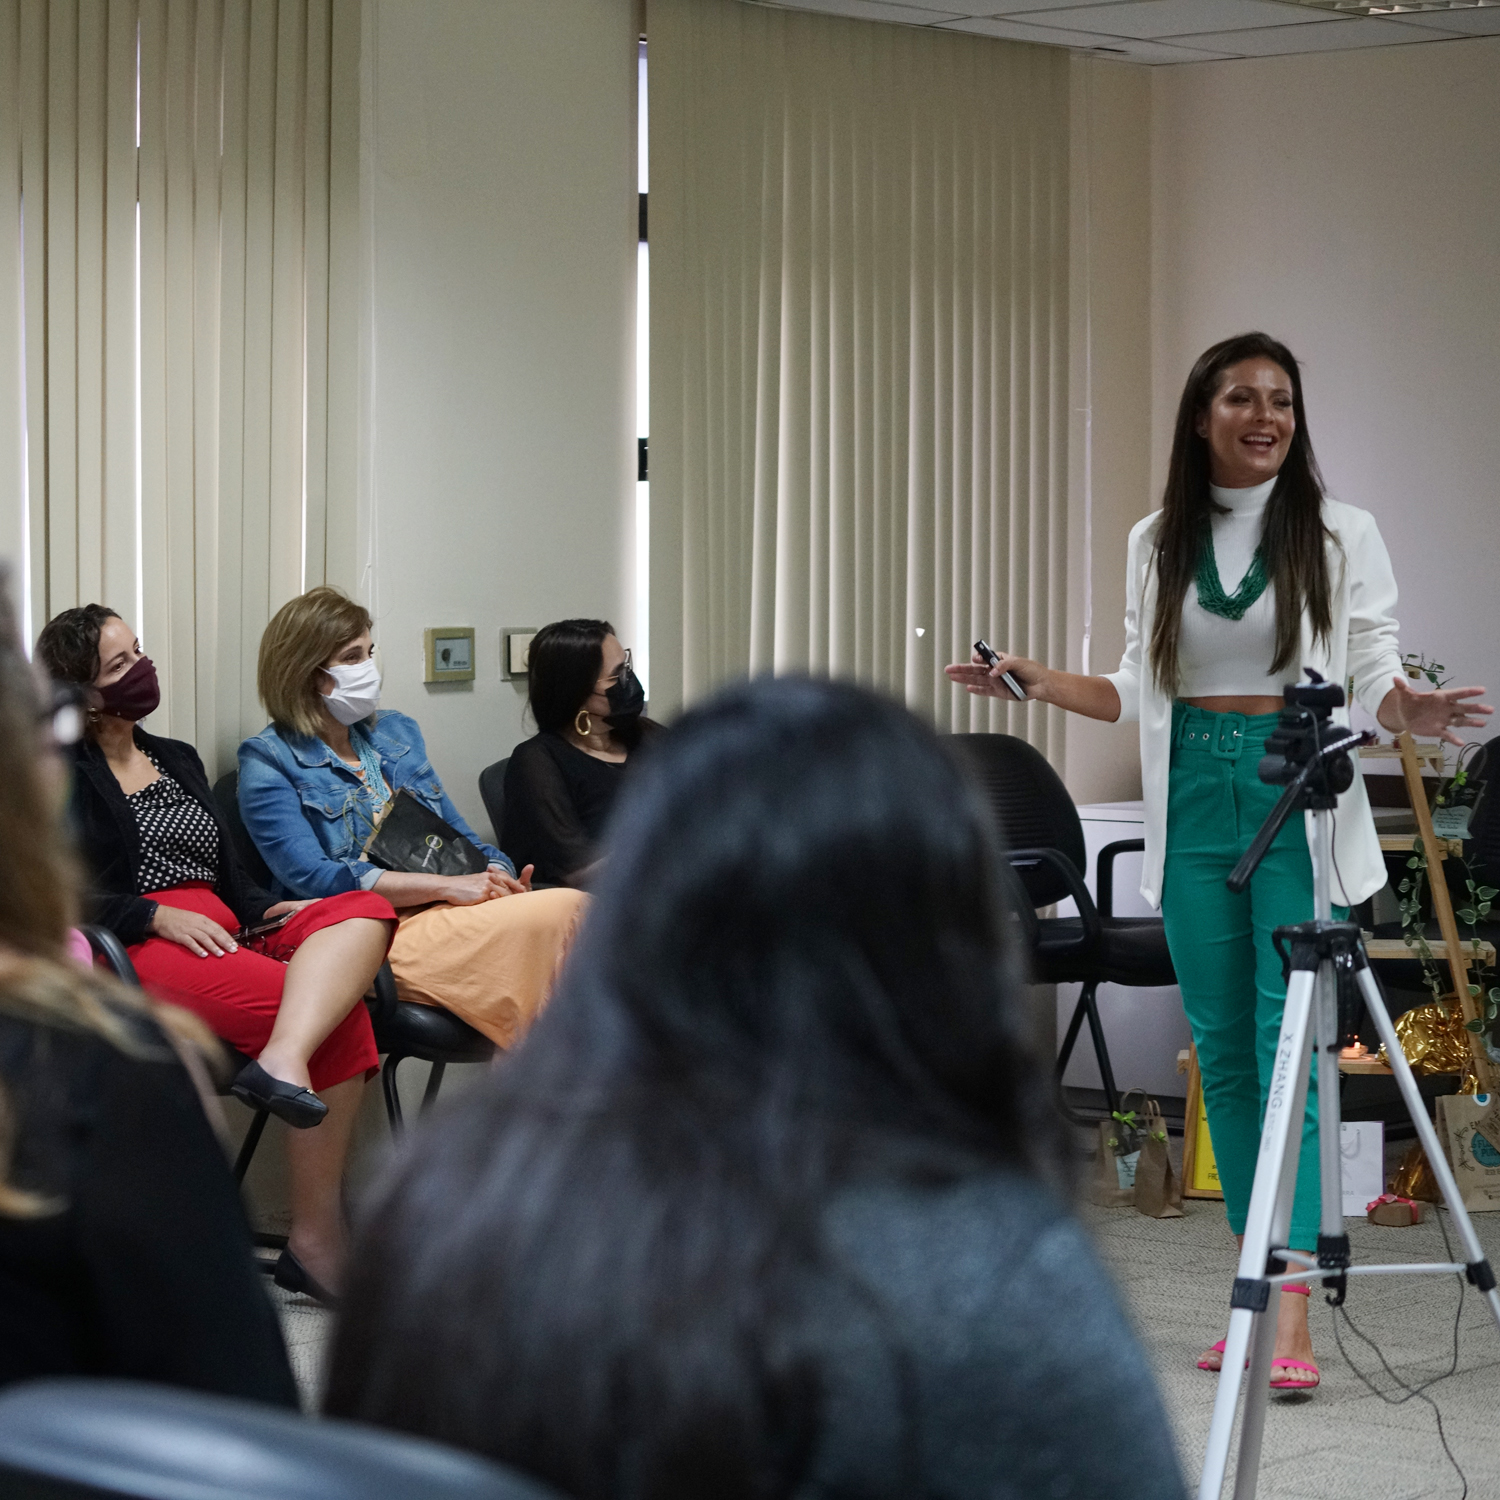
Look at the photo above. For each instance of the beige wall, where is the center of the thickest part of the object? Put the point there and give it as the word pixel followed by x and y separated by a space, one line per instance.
pixel 1350 205
pixel 500 211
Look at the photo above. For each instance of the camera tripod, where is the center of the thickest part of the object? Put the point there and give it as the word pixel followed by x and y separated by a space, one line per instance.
pixel 1329 975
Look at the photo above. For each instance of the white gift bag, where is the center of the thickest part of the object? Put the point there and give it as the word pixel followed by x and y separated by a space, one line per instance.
pixel 1362 1146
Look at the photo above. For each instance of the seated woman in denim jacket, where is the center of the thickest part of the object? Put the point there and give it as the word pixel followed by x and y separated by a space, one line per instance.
pixel 313 784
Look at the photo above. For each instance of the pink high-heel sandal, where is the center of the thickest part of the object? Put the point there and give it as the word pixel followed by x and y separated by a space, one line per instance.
pixel 1300 1289
pixel 1310 1376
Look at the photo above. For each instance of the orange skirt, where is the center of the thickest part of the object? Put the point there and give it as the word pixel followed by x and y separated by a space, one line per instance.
pixel 494 964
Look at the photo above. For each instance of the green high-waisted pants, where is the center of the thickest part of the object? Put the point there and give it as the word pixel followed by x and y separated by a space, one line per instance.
pixel 1227 968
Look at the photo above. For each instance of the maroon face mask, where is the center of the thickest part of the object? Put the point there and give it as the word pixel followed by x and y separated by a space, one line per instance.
pixel 134 695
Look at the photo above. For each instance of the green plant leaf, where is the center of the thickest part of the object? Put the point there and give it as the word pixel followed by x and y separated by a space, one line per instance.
pixel 1475 1026
pixel 1468 916
pixel 1487 893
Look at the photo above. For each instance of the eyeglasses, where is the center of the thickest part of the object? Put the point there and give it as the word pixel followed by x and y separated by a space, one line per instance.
pixel 65 716
pixel 620 671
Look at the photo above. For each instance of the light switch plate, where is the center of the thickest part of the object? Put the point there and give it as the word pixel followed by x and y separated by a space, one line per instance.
pixel 515 647
pixel 449 651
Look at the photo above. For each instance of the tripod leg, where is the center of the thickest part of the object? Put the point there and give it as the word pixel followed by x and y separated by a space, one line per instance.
pixel 1333 1239
pixel 1480 1273
pixel 1266 1223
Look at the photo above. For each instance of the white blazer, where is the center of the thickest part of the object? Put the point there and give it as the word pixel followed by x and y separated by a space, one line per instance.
pixel 1361 645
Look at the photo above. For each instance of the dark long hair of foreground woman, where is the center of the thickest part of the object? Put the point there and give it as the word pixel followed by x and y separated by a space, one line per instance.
pixel 612 1265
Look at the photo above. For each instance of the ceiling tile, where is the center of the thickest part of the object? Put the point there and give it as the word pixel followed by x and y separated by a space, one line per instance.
pixel 882 10
pixel 1163 18
pixel 982 8
pixel 1127 48
pixel 1276 41
pixel 1483 22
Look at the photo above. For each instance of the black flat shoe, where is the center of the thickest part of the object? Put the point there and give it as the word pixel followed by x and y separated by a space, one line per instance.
pixel 292 1276
pixel 299 1107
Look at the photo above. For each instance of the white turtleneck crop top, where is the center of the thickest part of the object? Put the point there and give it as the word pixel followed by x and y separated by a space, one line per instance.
pixel 1219 658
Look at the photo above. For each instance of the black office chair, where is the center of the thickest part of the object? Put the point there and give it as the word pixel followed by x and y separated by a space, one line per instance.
pixel 109 950
pixel 1044 843
pixel 111 1439
pixel 402 1030
pixel 492 794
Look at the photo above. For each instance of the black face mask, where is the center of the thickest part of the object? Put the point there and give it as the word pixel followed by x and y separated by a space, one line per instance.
pixel 626 698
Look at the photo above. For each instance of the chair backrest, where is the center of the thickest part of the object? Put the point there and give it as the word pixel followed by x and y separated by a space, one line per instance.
pixel 1484 831
pixel 492 792
pixel 1032 807
pixel 106 1438
pixel 104 944
pixel 227 795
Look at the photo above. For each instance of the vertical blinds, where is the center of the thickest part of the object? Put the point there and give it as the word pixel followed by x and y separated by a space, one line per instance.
pixel 858 354
pixel 175 371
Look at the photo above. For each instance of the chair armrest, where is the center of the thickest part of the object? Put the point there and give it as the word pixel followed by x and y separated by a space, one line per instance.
pixel 1104 883
pixel 107 946
pixel 1021 859
pixel 382 996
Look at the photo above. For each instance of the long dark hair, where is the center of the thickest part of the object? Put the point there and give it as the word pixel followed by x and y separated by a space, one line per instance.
pixel 1293 534
pixel 796 976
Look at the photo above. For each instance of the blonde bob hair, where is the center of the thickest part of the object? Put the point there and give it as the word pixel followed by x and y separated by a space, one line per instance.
pixel 304 633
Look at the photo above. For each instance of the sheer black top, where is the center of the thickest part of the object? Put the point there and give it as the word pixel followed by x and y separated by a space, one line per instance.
pixel 557 801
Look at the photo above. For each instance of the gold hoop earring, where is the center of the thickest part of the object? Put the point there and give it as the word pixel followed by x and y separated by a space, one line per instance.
pixel 583 724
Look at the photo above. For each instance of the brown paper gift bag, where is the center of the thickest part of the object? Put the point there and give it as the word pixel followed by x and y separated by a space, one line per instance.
pixel 1158 1189
pixel 1469 1127
pixel 1109 1185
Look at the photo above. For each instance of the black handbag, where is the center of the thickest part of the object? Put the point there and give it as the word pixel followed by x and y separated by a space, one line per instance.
pixel 410 837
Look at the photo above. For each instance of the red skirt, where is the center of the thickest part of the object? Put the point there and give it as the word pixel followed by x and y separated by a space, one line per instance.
pixel 237 996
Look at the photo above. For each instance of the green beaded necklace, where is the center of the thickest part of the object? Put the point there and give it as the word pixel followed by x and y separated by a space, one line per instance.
pixel 1211 593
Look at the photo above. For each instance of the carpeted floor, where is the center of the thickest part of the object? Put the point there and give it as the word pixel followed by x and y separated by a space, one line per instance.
pixel 1342 1443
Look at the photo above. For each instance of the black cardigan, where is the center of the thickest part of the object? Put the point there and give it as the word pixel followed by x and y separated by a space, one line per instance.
pixel 110 840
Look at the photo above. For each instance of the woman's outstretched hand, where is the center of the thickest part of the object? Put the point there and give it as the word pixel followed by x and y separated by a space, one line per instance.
pixel 1435 714
pixel 984 681
pixel 1094 697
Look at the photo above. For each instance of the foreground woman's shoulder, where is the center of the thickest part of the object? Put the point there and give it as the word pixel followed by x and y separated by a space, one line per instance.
pixel 984 1303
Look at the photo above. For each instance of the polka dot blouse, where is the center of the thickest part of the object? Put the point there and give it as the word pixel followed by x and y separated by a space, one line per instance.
pixel 179 840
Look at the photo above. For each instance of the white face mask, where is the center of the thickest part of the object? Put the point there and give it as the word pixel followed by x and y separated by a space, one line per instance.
pixel 356 691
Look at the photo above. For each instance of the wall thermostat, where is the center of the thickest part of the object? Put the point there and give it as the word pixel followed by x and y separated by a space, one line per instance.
pixel 450 653
pixel 515 650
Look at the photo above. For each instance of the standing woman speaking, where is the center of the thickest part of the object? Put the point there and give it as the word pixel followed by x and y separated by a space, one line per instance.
pixel 1247 573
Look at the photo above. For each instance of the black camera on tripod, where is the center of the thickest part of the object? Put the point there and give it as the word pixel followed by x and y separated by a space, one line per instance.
pixel 1297 742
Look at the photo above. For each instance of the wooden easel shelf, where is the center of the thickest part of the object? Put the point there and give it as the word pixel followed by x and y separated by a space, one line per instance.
pixel 1395 948
pixel 1403 843
pixel 1370 1066
pixel 1430 751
